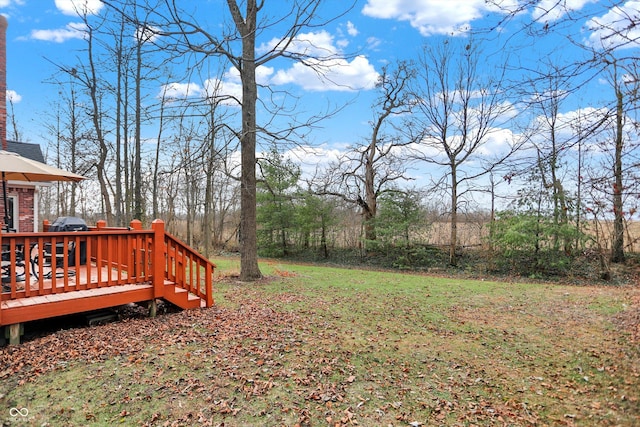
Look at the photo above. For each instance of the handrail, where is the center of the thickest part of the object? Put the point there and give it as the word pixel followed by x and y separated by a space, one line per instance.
pixel 188 269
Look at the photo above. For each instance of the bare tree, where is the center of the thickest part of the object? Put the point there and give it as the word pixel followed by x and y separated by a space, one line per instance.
pixel 457 110
pixel 615 177
pixel 368 170
pixel 16 135
pixel 121 62
pixel 218 183
pixel 551 137
pixel 71 144
pixel 617 248
pixel 88 78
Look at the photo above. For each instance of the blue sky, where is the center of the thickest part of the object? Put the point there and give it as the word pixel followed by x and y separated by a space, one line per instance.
pixel 42 33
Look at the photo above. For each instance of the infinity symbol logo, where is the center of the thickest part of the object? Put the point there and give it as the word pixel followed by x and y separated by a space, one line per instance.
pixel 14 412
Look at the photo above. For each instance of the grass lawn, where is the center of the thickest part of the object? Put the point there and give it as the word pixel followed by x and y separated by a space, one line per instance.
pixel 335 347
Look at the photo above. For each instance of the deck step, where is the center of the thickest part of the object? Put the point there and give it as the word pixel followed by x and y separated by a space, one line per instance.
pixel 181 297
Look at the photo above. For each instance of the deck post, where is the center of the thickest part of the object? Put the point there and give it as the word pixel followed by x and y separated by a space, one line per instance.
pixel 15 331
pixel 159 258
pixel 135 224
pixel 153 308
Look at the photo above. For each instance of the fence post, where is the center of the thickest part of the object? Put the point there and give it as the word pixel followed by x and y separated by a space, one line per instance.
pixel 135 224
pixel 101 224
pixel 159 258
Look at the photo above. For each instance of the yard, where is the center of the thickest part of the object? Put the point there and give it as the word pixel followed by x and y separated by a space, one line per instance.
pixel 327 346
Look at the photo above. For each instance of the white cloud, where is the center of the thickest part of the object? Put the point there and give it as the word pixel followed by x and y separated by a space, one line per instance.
pixel 228 89
pixel 552 10
pixel 351 29
pixel 230 92
pixel 60 35
pixel 315 44
pixel 146 34
pixel 324 69
pixel 262 75
pixel 174 90
pixel 373 43
pixel 6 3
pixel 13 96
pixel 342 43
pixel 345 32
pixel 313 158
pixel 571 125
pixel 435 16
pixel 496 142
pixel 79 7
pixel 617 28
pixel 337 75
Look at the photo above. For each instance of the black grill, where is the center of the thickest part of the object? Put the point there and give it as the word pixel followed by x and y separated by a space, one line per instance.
pixel 72 223
pixel 69 223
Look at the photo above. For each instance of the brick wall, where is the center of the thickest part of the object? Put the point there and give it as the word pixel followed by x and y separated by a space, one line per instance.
pixel 25 210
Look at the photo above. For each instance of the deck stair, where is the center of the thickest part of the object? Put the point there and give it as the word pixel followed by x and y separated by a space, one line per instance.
pixel 182 297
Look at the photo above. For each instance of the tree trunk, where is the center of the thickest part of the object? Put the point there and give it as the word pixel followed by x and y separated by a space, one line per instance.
pixel 208 214
pixel 96 115
pixel 249 269
pixel 369 187
pixel 617 249
pixel 120 219
pixel 453 239
pixel 138 202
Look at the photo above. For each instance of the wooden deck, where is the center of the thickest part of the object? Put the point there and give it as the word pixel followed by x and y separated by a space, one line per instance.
pixel 96 269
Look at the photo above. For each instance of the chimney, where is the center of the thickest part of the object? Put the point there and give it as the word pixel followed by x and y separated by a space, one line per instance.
pixel 3 81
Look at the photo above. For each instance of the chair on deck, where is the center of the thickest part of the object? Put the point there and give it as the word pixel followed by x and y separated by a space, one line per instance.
pixel 10 267
pixel 52 261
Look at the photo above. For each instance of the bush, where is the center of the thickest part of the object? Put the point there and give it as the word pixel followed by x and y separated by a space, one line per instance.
pixel 532 244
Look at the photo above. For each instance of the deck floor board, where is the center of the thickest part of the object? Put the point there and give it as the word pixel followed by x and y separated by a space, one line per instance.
pixel 83 292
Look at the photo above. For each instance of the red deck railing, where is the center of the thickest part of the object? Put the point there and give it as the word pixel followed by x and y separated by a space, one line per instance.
pixel 49 263
pixel 188 269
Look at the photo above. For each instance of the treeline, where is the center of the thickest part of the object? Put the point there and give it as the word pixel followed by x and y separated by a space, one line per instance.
pixel 298 223
pixel 534 150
